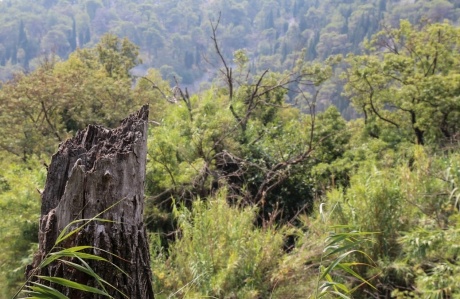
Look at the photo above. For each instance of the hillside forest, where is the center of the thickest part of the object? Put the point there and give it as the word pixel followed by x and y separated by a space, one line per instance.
pixel 297 149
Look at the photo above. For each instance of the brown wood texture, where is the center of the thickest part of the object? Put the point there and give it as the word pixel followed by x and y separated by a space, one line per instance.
pixel 88 174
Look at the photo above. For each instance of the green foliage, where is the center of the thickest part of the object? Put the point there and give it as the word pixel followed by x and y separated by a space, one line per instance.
pixel 407 86
pixel 75 258
pixel 150 89
pixel 29 117
pixel 336 256
pixel 245 137
pixel 40 109
pixel 431 248
pixel 219 252
pixel 19 211
pixel 431 254
pixel 182 148
pixel 241 135
pixel 116 56
pixel 175 34
pixel 333 136
pixel 411 205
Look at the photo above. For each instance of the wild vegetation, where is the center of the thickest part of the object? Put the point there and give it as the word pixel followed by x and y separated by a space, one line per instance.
pixel 256 186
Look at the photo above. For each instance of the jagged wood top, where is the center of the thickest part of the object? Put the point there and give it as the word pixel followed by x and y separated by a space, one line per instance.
pixel 88 146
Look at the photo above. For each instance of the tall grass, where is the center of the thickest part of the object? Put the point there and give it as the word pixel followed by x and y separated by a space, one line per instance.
pixel 219 252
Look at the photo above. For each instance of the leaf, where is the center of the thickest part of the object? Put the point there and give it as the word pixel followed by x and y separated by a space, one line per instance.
pixel 324 289
pixel 337 249
pixel 48 291
pixel 35 295
pixel 85 269
pixel 70 252
pixel 346 268
pixel 335 263
pixel 62 236
pixel 340 295
pixel 115 266
pixel 88 270
pixel 74 285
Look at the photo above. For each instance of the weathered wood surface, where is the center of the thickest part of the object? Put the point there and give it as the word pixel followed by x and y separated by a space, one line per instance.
pixel 88 174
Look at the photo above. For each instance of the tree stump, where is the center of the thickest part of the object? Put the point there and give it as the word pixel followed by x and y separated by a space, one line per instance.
pixel 91 172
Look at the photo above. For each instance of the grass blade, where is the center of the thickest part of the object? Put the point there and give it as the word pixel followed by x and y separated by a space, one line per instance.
pixel 335 263
pixel 69 253
pixel 46 290
pixel 74 285
pixel 63 236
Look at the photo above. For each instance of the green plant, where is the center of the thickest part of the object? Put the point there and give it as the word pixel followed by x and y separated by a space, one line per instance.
pixel 340 253
pixel 74 257
pixel 19 211
pixel 219 252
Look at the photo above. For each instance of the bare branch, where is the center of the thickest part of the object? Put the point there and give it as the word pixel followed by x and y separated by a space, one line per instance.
pixel 185 97
pixel 154 86
pixel 371 95
pixel 228 70
pixel 48 121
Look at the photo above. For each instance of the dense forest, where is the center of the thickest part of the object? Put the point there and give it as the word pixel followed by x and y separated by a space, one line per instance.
pixel 297 149
pixel 174 36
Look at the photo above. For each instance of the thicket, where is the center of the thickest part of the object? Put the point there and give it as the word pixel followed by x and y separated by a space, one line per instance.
pixel 247 196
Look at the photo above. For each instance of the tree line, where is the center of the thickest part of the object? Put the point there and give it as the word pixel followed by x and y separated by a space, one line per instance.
pixel 173 36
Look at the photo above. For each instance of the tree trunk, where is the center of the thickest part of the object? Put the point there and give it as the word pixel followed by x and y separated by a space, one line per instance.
pixel 90 173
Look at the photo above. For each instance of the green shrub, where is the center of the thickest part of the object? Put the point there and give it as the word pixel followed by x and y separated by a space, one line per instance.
pixel 219 252
pixel 19 214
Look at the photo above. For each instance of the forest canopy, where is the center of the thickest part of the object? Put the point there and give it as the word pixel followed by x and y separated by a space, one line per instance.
pixel 174 36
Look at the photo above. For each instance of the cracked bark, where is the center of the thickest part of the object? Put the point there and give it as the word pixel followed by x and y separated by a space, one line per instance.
pixel 88 174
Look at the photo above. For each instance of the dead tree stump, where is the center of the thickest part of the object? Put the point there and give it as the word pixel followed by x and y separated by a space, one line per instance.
pixel 88 174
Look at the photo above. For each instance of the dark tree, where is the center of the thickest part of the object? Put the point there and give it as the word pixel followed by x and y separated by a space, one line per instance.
pixel 99 171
